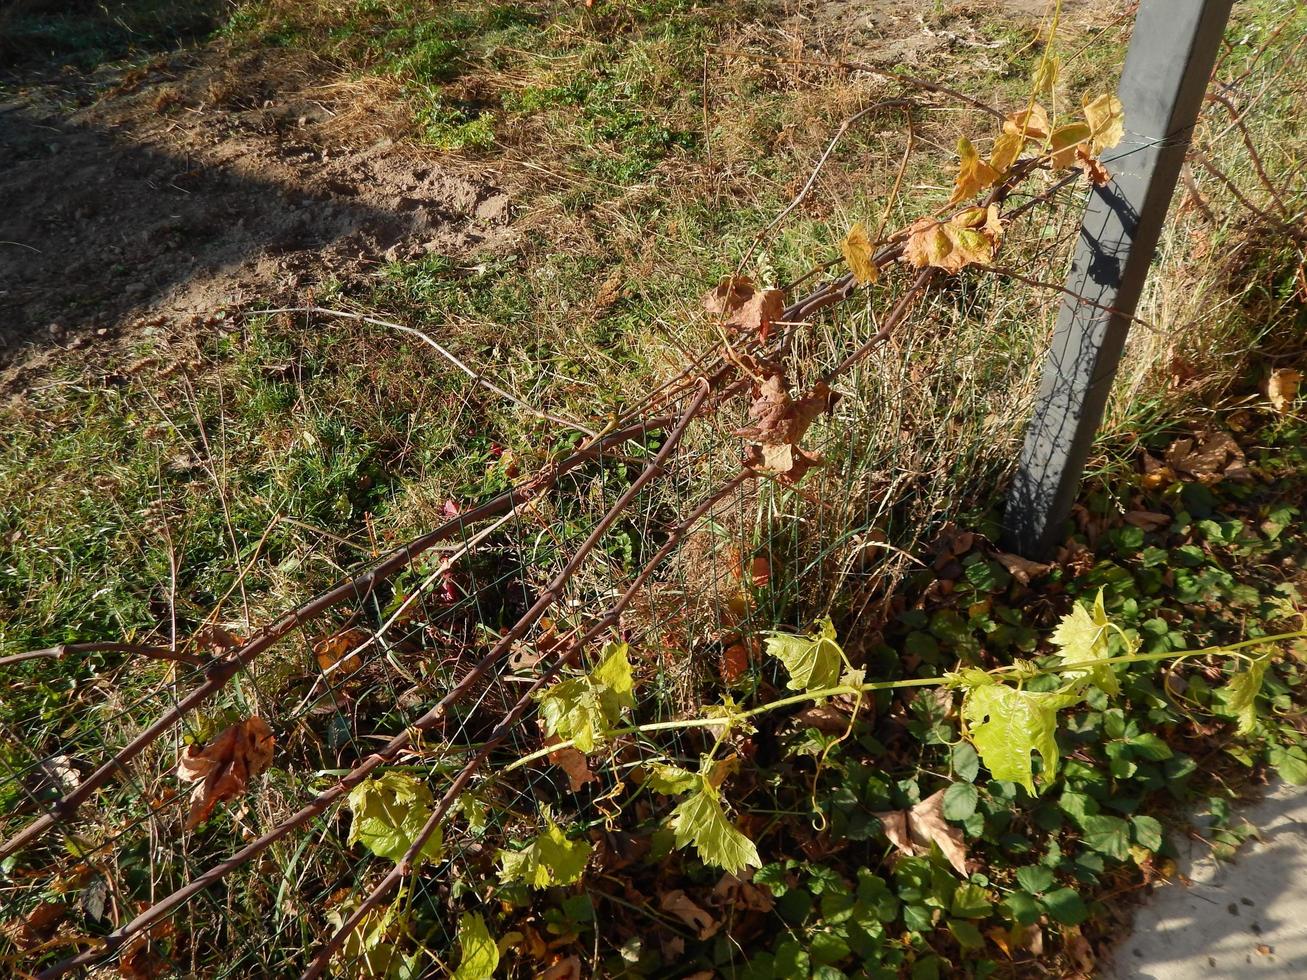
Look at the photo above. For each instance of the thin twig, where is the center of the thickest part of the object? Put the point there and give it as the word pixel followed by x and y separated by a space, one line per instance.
pixel 426 722
pixel 65 649
pixel 442 351
pixel 354 588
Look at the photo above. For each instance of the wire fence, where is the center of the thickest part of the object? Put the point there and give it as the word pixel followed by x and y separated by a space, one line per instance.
pixel 426 661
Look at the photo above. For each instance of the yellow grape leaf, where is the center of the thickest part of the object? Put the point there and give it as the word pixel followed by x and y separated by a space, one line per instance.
pixel 859 255
pixel 389 812
pixel 1046 73
pixel 813 661
pixel 956 244
pixel 1007 147
pixel 1082 637
pixel 1106 118
pixel 478 951
pixel 927 244
pixel 1031 124
pixel 1006 724
pixel 1064 143
pixel 550 859
pixel 701 821
pixel 974 174
pixel 1241 694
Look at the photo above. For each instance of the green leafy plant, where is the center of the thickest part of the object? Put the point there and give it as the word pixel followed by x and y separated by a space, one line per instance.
pixel 390 811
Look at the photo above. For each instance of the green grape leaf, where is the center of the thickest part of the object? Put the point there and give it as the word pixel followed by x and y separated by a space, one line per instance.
pixel 1007 724
pixel 389 812
pixel 1241 694
pixel 572 712
pixel 372 948
pixel 813 661
pixel 612 678
pixel 700 820
pixel 474 812
pixel 550 859
pixel 671 780
pixel 1082 636
pixel 583 710
pixel 478 954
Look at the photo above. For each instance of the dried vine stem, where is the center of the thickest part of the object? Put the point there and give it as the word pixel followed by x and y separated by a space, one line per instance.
pixel 557 659
pixel 164 907
pixel 65 649
pixel 322 958
pixel 220 672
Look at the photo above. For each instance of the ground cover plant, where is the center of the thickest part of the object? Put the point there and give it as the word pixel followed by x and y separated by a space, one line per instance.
pixel 757 765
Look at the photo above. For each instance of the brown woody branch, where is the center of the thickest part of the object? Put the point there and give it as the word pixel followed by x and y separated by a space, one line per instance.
pixel 402 741
pixel 65 649
pixel 220 672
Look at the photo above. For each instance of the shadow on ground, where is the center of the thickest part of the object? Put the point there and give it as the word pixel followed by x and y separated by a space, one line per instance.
pixel 210 181
pixel 1242 918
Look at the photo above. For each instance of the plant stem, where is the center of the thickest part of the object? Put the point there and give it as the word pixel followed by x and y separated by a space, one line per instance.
pixel 860 690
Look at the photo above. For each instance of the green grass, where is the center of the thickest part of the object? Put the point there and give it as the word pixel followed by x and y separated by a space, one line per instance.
pixel 329 442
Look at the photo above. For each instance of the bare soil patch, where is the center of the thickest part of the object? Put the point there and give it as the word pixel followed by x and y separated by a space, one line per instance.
pixel 211 180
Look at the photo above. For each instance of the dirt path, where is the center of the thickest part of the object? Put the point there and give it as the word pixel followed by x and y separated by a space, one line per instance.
pixel 1239 919
pixel 209 181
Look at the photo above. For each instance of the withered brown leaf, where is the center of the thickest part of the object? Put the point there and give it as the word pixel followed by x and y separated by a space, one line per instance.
pixel 912 831
pixel 744 306
pixel 572 762
pixel 333 652
pixel 222 770
pixel 684 908
pixel 1022 569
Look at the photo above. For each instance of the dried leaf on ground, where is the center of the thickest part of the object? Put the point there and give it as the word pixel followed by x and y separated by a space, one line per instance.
pixel 912 831
pixel 572 762
pixel 1022 569
pixel 31 930
pixel 684 908
pixel 828 718
pixel 860 255
pixel 1156 473
pixel 1029 123
pixel 745 307
pixel 1208 457
pixel 223 769
pixel 734 662
pixel 740 893
pixel 140 962
pixel 333 652
pixel 1147 520
pixel 1282 388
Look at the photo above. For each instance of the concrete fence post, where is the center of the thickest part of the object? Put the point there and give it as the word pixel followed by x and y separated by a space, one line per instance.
pixel 1167 67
